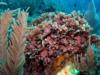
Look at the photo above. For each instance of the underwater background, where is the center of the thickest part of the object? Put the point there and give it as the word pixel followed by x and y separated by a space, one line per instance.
pixel 37 7
pixel 50 37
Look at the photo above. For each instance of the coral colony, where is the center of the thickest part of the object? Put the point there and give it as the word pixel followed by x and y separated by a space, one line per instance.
pixel 59 39
pixel 56 44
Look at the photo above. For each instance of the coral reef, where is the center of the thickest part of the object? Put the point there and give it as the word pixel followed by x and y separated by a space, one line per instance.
pixel 59 39
pixel 57 43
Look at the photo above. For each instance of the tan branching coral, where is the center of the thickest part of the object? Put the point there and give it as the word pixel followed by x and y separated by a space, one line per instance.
pixel 5 19
pixel 15 58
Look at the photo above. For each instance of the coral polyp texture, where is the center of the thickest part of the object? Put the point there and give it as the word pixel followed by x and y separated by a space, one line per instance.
pixel 56 39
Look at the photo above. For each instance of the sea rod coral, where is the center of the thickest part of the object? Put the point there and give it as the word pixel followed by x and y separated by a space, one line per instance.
pixel 12 56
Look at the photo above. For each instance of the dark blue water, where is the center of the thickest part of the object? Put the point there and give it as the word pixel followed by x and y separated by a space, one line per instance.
pixel 50 5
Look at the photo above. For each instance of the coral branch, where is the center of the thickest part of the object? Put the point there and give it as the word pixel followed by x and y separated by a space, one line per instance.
pixel 4 23
pixel 15 57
